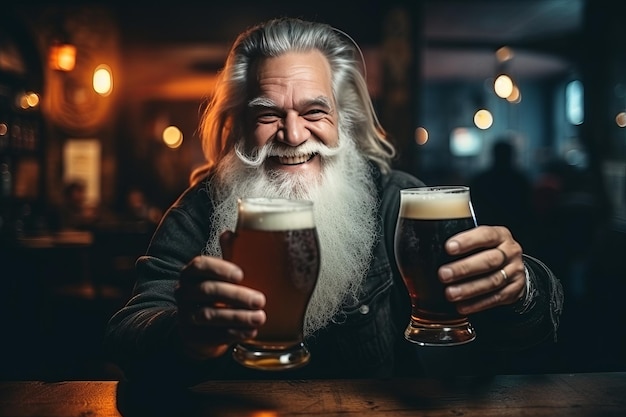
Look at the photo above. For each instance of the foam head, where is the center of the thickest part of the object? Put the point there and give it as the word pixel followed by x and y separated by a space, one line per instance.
pixel 275 214
pixel 431 203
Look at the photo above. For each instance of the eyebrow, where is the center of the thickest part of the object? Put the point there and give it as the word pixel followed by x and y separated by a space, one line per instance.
pixel 260 102
pixel 264 102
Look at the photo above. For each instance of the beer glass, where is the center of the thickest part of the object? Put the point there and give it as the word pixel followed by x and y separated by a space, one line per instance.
pixel 276 244
pixel 428 216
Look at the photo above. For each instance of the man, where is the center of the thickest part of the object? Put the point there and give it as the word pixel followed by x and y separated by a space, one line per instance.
pixel 501 194
pixel 291 117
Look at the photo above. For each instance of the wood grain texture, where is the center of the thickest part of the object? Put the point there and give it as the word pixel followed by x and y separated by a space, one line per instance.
pixel 571 395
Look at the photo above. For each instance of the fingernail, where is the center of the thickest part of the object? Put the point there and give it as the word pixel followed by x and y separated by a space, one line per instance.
pixel 453 247
pixel 236 274
pixel 257 319
pixel 445 273
pixel 257 300
pixel 454 292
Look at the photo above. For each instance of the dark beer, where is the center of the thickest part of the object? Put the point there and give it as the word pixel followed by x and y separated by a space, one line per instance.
pixel 428 217
pixel 277 247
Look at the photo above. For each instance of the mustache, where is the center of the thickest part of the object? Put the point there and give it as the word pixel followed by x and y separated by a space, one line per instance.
pixel 258 155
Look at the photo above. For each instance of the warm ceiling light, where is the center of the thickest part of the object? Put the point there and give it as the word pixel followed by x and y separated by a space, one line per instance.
pixel 620 119
pixel 172 137
pixel 62 56
pixel 421 135
pixel 503 86
pixel 483 119
pixel 504 54
pixel 515 96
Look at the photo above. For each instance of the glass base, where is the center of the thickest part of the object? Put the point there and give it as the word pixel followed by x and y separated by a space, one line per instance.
pixel 431 334
pixel 272 359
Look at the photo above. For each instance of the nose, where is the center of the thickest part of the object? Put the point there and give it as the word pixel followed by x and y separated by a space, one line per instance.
pixel 293 130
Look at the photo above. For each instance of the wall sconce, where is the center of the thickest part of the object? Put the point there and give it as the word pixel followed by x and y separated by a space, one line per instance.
pixel 62 56
pixel 103 80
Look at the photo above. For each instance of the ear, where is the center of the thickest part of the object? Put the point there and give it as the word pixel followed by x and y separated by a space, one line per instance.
pixel 226 242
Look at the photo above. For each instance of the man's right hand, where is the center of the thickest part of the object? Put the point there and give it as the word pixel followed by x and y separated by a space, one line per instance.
pixel 214 309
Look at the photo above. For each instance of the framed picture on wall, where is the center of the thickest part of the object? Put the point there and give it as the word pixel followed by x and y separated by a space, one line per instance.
pixel 81 161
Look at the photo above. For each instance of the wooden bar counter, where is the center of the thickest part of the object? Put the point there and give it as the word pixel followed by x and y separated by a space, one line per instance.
pixel 571 395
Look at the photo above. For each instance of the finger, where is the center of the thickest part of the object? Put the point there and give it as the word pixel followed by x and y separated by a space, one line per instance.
pixel 204 327
pixel 207 267
pixel 231 294
pixel 217 293
pixel 210 331
pixel 477 238
pixel 505 258
pixel 483 262
pixel 486 284
pixel 227 317
pixel 509 294
pixel 497 288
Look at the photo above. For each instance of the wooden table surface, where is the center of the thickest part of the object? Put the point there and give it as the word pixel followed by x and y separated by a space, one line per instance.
pixel 571 395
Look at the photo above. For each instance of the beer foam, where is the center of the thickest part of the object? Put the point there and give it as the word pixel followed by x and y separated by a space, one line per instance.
pixel 275 215
pixel 433 205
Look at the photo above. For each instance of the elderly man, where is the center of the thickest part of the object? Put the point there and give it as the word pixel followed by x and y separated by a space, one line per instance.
pixel 291 117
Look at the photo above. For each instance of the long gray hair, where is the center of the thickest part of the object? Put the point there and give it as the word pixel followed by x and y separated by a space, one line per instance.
pixel 221 125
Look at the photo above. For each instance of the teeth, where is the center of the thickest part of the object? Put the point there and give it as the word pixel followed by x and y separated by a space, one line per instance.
pixel 293 160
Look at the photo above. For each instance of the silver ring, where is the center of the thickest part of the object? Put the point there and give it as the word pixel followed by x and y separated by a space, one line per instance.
pixel 505 277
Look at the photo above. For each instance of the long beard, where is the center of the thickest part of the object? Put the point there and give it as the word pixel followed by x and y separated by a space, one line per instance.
pixel 345 212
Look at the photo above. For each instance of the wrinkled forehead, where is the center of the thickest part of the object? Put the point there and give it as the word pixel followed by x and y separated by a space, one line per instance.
pixel 310 67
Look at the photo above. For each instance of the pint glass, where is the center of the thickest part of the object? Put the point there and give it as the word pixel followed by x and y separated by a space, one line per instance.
pixel 276 244
pixel 428 216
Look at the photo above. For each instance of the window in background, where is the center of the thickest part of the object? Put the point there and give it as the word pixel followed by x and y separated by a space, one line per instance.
pixel 574 102
pixel 465 141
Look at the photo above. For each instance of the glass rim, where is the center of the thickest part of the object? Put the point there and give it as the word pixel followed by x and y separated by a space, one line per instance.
pixel 451 189
pixel 275 203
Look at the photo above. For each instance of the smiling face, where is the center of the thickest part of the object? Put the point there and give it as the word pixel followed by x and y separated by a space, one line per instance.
pixel 294 147
pixel 293 107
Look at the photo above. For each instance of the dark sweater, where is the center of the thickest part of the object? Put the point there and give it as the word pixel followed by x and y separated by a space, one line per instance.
pixel 364 339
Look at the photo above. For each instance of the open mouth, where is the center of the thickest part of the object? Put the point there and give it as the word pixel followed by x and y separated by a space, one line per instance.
pixel 295 160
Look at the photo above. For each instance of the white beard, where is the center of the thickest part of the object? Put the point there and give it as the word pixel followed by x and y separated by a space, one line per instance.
pixel 345 211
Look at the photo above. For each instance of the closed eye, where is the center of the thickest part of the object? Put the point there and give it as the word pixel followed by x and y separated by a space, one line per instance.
pixel 264 110
pixel 315 114
pixel 266 118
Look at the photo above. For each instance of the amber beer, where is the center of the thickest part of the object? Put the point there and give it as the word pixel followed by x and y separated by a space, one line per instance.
pixel 276 245
pixel 428 216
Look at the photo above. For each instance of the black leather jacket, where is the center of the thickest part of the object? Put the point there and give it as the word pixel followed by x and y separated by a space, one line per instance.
pixel 364 340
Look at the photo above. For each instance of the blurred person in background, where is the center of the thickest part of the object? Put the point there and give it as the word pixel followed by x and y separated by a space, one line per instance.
pixel 139 209
pixel 75 213
pixel 502 194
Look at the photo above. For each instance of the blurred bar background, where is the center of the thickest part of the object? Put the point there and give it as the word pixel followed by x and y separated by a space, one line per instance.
pixel 99 104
